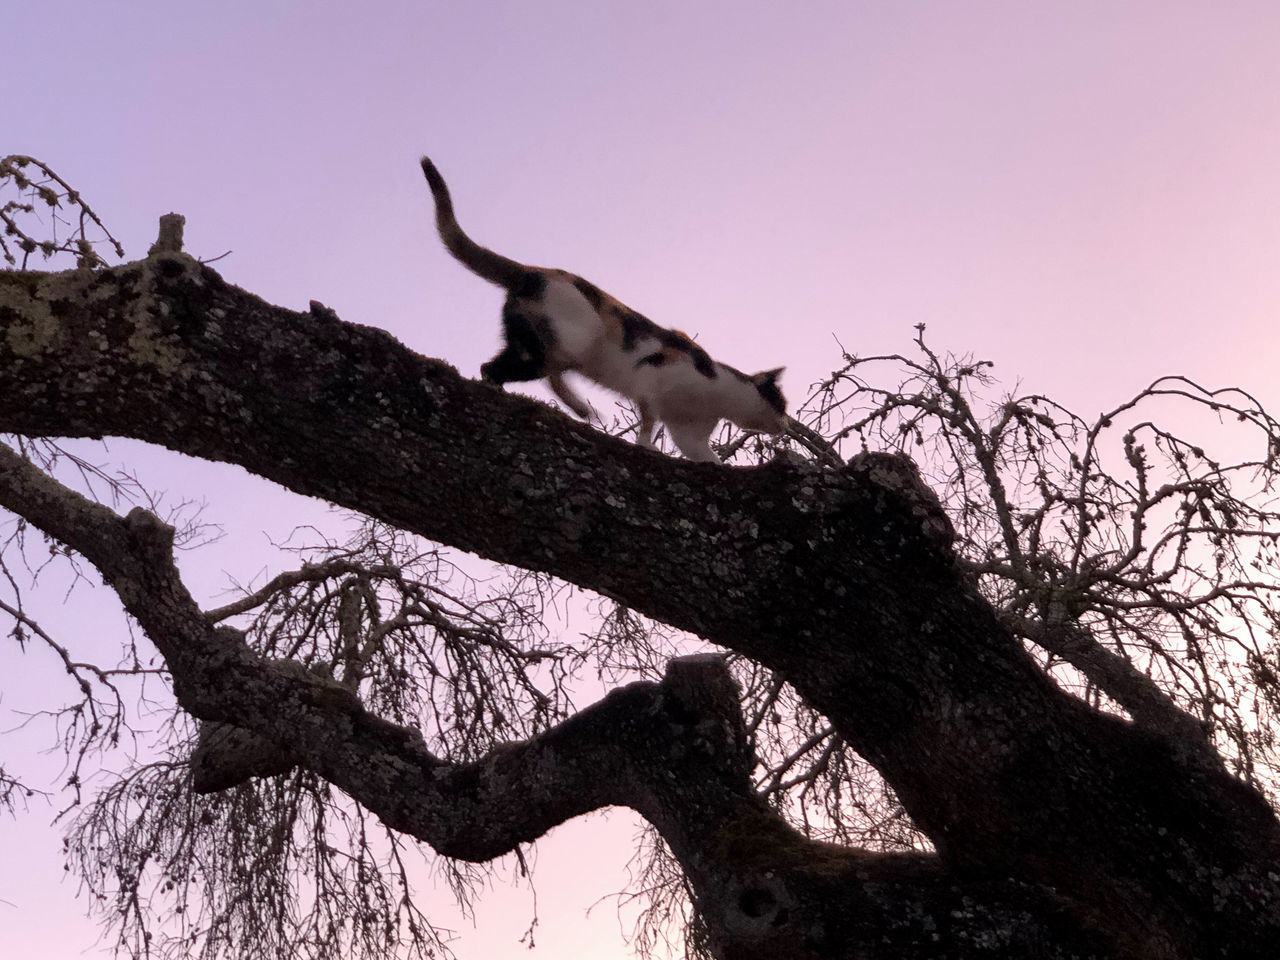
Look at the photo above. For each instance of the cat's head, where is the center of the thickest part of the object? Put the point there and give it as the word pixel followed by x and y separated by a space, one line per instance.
pixel 770 415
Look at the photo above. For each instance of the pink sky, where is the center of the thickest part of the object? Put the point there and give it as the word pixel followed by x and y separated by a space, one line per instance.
pixel 1085 192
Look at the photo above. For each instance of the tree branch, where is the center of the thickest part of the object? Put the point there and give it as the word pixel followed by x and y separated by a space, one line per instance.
pixel 676 752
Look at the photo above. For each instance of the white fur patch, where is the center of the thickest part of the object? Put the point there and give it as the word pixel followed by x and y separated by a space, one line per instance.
pixel 574 321
pixel 678 393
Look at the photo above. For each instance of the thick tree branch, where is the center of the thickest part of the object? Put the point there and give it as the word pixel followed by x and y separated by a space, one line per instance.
pixel 841 580
pixel 676 752
pixel 1119 678
pixel 475 811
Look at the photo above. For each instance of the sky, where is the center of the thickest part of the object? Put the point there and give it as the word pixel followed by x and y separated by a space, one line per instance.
pixel 1086 193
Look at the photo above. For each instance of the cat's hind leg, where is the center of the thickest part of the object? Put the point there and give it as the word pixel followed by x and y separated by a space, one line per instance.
pixel 525 355
pixel 511 366
pixel 568 397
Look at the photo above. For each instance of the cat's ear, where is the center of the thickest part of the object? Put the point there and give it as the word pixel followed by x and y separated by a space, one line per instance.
pixel 767 376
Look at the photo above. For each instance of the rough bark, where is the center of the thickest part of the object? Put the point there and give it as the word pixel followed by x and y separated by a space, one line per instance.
pixel 1060 831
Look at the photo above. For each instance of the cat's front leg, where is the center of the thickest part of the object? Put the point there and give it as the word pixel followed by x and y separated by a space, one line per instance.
pixel 644 430
pixel 692 439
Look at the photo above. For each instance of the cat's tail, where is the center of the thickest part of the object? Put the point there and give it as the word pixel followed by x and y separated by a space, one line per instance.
pixel 480 260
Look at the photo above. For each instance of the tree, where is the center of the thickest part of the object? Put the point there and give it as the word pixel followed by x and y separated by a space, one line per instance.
pixel 932 647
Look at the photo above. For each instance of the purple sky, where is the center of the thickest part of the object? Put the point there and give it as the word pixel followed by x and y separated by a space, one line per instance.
pixel 1085 192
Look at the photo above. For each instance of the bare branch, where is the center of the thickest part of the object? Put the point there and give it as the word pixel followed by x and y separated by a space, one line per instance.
pixel 40 189
pixel 1141 572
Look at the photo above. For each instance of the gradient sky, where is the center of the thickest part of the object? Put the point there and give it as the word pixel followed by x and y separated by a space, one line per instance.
pixel 1087 193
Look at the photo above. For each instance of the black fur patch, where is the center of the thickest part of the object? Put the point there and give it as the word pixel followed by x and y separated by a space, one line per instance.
pixel 771 395
pixel 532 286
pixel 528 338
pixel 595 296
pixel 702 361
pixel 636 327
pixel 768 389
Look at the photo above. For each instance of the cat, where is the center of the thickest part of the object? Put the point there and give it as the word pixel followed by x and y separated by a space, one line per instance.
pixel 554 322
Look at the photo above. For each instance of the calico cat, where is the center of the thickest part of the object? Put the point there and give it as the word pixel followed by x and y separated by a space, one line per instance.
pixel 554 321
